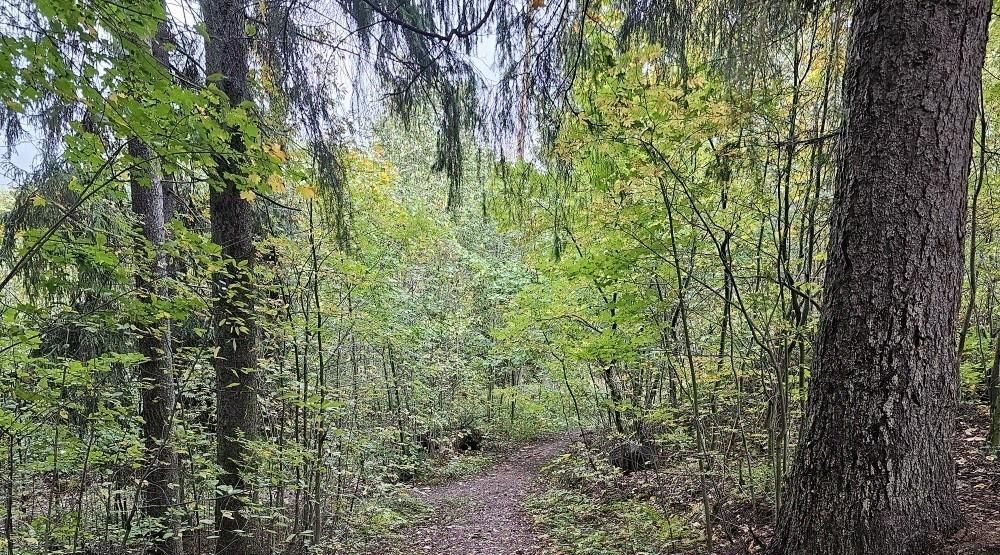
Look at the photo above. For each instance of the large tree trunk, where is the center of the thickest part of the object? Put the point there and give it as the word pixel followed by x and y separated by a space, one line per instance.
pixel 158 394
pixel 233 227
pixel 874 473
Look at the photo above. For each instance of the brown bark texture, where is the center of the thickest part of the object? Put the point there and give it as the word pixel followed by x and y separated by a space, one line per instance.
pixel 233 229
pixel 874 471
pixel 160 475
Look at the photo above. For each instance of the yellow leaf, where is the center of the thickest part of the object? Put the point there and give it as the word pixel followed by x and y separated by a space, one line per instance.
pixel 307 191
pixel 253 179
pixel 38 200
pixel 275 183
pixel 274 149
pixel 248 195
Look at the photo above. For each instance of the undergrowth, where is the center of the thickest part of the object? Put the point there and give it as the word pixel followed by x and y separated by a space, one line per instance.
pixel 585 512
pixel 458 467
pixel 378 524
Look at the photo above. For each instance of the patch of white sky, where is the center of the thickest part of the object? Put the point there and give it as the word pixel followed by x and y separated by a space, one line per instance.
pixel 360 101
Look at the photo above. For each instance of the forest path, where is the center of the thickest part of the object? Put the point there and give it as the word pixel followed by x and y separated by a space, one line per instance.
pixel 485 514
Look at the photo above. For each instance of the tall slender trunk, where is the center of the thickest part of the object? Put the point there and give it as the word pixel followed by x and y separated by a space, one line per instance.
pixel 156 376
pixel 158 395
pixel 970 308
pixel 8 520
pixel 874 473
pixel 320 384
pixel 699 428
pixel 233 229
pixel 993 390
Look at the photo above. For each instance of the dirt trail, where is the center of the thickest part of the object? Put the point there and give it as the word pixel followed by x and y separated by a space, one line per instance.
pixel 484 515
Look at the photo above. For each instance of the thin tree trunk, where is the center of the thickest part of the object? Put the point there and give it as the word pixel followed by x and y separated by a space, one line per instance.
pixel 8 520
pixel 874 474
pixel 993 390
pixel 320 384
pixel 158 394
pixel 974 235
pixel 699 428
pixel 233 229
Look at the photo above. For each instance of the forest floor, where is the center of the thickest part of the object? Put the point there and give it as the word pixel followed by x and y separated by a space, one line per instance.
pixel 485 514
pixel 491 512
pixel 978 473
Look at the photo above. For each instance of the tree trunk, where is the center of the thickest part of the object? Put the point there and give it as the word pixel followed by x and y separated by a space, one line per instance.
pixel 158 394
pixel 233 229
pixel 993 391
pixel 874 473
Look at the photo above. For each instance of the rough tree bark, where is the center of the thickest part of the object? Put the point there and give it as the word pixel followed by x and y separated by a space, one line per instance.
pixel 233 229
pixel 874 473
pixel 158 394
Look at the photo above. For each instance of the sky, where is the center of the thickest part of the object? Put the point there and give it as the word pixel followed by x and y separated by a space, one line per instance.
pixel 359 98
